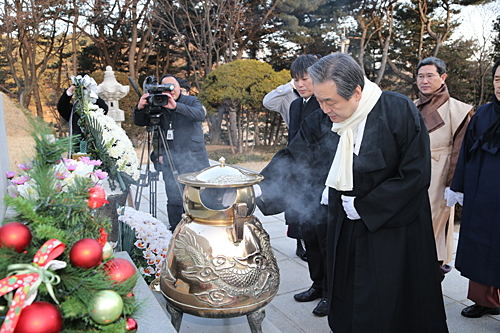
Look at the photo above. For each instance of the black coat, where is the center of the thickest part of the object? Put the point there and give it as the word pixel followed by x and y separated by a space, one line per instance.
pixel 299 196
pixel 477 176
pixel 188 147
pixel 64 107
pixel 299 112
pixel 294 213
pixel 382 269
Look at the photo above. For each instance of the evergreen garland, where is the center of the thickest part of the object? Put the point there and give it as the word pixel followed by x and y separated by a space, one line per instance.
pixel 64 215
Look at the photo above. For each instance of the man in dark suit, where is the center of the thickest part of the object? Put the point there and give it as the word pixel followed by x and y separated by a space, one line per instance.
pixel 312 226
pixel 180 121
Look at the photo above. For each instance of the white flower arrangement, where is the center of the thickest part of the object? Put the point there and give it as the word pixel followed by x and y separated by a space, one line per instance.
pixel 89 88
pixel 111 144
pixel 153 238
pixel 118 145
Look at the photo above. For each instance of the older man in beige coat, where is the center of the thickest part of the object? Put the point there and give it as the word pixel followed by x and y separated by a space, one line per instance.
pixel 446 119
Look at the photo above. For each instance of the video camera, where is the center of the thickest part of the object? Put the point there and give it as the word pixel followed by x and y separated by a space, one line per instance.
pixel 156 99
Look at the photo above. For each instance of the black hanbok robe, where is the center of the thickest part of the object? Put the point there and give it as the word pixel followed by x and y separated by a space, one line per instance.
pixel 299 112
pixel 382 268
pixel 477 176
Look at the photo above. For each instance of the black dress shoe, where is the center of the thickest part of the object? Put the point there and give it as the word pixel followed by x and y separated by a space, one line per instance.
pixel 309 295
pixel 477 311
pixel 301 251
pixel 321 309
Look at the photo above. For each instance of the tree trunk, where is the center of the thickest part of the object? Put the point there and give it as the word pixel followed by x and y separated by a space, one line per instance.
pixel 266 129
pixel 240 130
pixel 271 129
pixel 233 131
pixel 247 129
pixel 216 126
pixel 73 39
pixel 278 125
pixel 385 44
pixel 228 121
pixel 38 103
pixel 133 46
pixel 256 139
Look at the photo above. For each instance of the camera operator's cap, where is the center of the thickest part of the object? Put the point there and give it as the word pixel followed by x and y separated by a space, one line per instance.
pixel 221 176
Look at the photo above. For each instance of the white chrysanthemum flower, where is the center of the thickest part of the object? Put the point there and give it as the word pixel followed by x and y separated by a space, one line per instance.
pixel 152 237
pixel 118 144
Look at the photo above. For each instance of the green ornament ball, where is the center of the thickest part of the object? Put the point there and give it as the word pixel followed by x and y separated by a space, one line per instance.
pixel 106 307
pixel 107 251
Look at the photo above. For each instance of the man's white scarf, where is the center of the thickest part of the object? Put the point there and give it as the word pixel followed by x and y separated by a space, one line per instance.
pixel 340 175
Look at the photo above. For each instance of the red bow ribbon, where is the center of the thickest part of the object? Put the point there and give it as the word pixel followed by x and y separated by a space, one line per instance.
pixel 23 282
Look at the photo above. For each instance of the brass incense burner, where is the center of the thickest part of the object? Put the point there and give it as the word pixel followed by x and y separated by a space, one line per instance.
pixel 220 262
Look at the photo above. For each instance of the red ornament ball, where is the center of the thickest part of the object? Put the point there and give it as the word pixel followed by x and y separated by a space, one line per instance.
pixel 131 325
pixel 39 317
pixel 120 269
pixel 15 235
pixel 86 253
pixel 97 197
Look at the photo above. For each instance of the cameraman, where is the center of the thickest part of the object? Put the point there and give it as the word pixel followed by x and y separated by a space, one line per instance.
pixel 181 121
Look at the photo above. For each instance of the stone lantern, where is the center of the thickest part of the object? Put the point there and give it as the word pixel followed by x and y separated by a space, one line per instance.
pixel 111 92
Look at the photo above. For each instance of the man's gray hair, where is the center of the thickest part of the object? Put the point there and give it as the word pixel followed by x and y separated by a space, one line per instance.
pixel 440 65
pixel 342 69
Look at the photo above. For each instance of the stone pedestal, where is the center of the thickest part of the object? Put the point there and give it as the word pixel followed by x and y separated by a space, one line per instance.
pixel 150 317
pixel 116 197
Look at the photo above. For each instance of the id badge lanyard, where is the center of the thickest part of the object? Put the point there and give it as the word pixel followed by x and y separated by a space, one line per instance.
pixel 170 132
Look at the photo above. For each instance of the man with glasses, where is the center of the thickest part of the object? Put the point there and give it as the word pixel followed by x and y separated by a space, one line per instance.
pixel 446 120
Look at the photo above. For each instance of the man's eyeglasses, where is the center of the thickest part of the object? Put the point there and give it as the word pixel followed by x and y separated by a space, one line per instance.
pixel 420 77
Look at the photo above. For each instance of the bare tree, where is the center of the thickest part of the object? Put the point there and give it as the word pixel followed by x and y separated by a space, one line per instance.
pixel 202 29
pixel 432 32
pixel 385 41
pixel 139 51
pixel 440 31
pixel 366 19
pixel 31 36
pixel 215 31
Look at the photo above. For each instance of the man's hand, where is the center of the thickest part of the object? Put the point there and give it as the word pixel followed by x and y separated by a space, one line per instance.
pixel 350 210
pixel 143 101
pixel 172 104
pixel 453 197
pixel 70 90
pixel 324 196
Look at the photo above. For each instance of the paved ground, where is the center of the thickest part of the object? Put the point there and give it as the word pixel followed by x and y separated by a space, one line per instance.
pixel 285 315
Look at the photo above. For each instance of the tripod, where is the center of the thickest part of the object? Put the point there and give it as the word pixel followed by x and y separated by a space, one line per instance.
pixel 150 178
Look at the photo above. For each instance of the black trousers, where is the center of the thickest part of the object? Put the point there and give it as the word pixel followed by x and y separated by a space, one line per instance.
pixel 315 238
pixel 174 190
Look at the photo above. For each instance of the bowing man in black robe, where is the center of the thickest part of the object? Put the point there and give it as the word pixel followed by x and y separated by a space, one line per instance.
pixel 381 252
